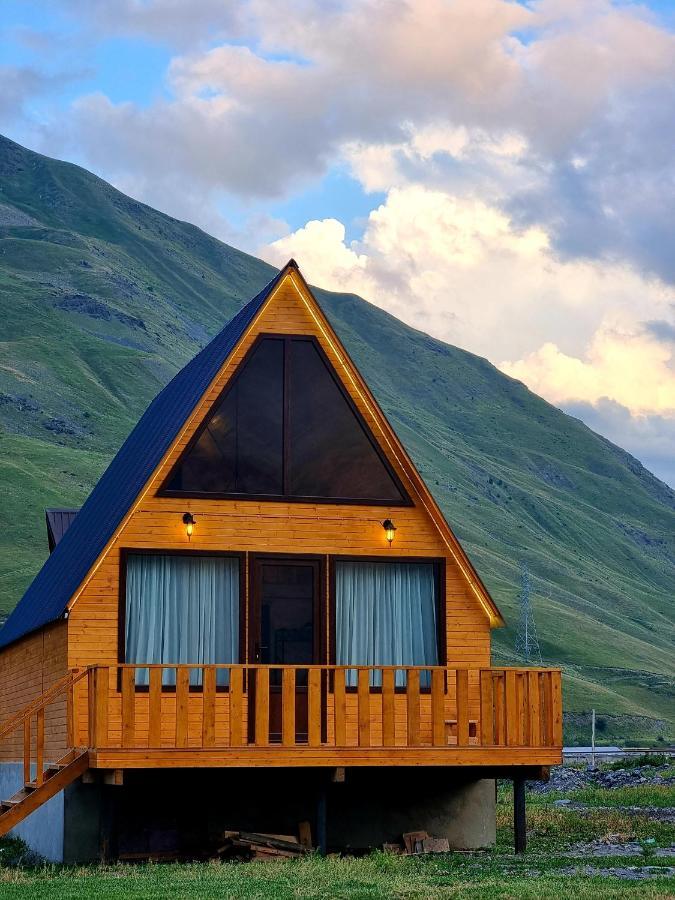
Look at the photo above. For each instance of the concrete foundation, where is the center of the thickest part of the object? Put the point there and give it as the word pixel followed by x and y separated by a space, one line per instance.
pixel 186 811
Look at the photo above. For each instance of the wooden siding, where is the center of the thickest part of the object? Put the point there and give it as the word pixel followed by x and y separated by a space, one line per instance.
pixel 27 668
pixel 255 526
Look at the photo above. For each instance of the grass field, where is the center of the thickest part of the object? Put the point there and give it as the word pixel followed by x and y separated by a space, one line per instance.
pixel 559 863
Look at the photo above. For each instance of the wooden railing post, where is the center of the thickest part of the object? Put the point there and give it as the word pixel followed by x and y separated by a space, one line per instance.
pixel 40 745
pixel 128 706
pixel 314 707
pixel 288 707
pixel 512 718
pixel 262 707
pixel 237 706
pixel 462 708
pixel 100 684
pixel 155 707
pixel 363 689
pixel 438 738
pixel 388 707
pixel 209 707
pixel 413 706
pixel 340 708
pixel 534 710
pixel 487 709
pixel 556 698
pixel 27 750
pixel 182 700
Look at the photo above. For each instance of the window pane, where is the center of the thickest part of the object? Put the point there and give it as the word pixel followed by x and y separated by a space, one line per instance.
pixel 181 609
pixel 239 450
pixel 330 453
pixel 385 615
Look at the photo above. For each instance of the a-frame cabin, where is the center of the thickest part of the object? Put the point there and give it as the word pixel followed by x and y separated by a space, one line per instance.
pixel 261 599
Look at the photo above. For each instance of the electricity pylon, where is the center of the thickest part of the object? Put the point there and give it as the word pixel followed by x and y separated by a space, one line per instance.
pixel 527 643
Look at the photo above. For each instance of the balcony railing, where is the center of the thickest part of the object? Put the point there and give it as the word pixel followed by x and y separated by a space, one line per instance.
pixel 317 707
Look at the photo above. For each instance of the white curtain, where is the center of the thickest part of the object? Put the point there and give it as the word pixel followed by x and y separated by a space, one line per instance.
pixel 182 609
pixel 385 615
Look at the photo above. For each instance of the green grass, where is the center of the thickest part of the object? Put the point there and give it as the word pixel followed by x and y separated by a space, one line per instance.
pixel 105 298
pixel 545 871
pixel 660 796
pixel 373 877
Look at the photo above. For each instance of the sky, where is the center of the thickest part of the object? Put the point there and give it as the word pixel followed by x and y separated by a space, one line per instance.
pixel 498 174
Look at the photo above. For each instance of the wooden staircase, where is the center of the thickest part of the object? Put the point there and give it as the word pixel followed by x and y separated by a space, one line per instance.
pixel 42 782
pixel 32 795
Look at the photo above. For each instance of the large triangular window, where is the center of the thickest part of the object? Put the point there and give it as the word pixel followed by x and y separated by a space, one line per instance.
pixel 285 428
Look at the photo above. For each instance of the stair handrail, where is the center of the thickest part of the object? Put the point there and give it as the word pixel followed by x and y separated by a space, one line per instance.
pixel 42 700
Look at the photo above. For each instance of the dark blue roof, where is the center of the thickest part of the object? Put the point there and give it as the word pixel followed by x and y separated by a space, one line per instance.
pixel 64 571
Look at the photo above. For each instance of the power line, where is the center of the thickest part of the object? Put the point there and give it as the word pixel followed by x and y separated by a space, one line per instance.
pixel 527 643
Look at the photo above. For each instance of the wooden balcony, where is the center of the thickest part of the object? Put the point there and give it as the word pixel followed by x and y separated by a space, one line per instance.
pixel 256 715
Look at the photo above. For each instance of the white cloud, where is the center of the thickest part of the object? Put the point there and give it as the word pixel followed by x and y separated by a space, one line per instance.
pixel 463 271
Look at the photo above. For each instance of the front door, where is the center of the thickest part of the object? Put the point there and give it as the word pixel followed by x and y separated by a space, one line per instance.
pixel 285 629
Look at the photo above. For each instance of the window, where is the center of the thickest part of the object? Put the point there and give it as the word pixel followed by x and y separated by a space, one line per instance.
pixel 386 615
pixel 181 609
pixel 285 428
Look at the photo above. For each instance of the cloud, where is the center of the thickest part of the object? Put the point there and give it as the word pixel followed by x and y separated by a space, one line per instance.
pixel 589 337
pixel 22 84
pixel 175 22
pixel 463 270
pixel 569 130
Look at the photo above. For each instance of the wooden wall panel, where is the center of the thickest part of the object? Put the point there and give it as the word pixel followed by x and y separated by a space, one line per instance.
pixel 27 668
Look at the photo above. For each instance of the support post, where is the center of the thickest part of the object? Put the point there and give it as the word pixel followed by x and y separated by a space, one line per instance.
pixel 519 822
pixel 321 819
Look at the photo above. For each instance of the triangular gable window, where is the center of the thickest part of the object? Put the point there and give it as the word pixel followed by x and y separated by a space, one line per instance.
pixel 285 428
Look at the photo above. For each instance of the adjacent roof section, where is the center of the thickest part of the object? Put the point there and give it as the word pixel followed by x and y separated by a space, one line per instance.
pixel 58 522
pixel 64 571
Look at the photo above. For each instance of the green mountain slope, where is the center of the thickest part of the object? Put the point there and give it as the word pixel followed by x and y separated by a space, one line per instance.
pixel 103 298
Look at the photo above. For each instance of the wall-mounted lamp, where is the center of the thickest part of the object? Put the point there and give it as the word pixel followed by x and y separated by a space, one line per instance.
pixel 389 529
pixel 189 522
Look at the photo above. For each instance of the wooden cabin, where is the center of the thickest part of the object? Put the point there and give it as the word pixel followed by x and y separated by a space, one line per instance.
pixel 260 611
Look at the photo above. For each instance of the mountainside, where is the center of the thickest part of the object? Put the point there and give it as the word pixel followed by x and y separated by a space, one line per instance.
pixel 102 299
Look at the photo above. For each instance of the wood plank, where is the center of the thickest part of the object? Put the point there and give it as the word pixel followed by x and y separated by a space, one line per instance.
pixel 438 737
pixel 155 708
pixel 462 707
pixel 182 699
pixel 364 707
pixel 128 706
pixel 521 707
pixel 70 716
pixel 236 706
pixel 314 707
pixel 329 757
pixel 39 745
pixel 388 708
pixel 547 708
pixel 533 710
pixel 499 686
pixel 556 708
pixel 413 706
pixel 26 750
pixel 102 689
pixel 486 734
pixel 511 699
pixel 209 707
pixel 339 708
pixel 288 707
pixel 262 707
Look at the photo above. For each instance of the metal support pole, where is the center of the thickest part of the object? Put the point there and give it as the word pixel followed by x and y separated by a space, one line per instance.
pixel 592 739
pixel 321 820
pixel 519 823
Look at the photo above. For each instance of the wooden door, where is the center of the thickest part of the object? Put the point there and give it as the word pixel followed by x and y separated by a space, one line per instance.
pixel 285 629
